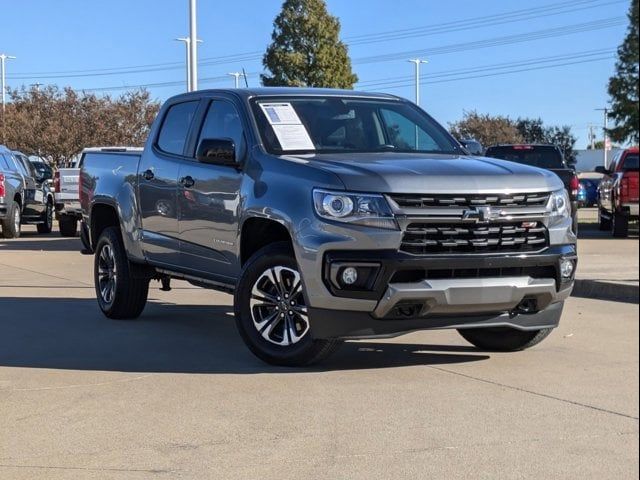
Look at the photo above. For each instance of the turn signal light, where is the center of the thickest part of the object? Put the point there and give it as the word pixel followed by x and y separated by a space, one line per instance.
pixel 2 189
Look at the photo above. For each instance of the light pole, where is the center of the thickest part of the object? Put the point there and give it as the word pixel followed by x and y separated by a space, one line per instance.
pixel 3 59
pixel 193 46
pixel 187 42
pixel 605 138
pixel 417 62
pixel 236 76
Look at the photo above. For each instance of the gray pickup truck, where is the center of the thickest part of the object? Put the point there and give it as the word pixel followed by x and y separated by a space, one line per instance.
pixel 329 215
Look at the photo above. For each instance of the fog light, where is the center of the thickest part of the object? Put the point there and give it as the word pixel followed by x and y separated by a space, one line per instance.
pixel 566 268
pixel 349 276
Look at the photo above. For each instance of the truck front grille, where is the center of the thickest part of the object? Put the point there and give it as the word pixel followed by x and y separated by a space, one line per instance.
pixel 431 238
pixel 462 201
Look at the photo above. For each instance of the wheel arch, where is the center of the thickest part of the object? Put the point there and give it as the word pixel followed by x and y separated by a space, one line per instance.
pixel 258 232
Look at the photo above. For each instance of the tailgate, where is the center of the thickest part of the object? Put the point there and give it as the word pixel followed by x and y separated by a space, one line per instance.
pixel 69 182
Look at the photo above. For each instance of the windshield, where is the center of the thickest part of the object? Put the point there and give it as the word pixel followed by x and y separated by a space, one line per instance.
pixel 336 125
pixel 536 156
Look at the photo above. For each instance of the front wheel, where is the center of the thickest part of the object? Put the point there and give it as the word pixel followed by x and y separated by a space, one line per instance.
pixel 503 339
pixel 620 225
pixel 120 294
pixel 271 311
pixel 47 221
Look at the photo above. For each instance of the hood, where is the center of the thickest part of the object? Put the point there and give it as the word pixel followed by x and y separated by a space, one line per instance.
pixel 432 173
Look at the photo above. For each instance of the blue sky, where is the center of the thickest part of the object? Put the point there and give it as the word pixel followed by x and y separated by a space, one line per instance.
pixel 466 42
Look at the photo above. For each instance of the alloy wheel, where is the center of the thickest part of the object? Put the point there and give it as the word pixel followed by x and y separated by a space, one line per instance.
pixel 278 308
pixel 107 274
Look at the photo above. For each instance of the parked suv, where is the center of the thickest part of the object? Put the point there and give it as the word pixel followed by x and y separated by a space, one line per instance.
pixel 329 214
pixel 25 196
pixel 618 193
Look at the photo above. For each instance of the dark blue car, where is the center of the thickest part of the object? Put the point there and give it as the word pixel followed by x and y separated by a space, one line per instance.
pixel 588 194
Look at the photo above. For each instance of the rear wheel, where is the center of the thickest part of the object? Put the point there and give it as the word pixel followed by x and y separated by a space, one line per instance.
pixel 68 226
pixel 620 225
pixel 604 223
pixel 12 224
pixel 271 311
pixel 120 295
pixel 505 339
pixel 47 220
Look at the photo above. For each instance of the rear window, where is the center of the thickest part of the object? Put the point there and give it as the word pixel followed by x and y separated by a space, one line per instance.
pixel 542 157
pixel 631 162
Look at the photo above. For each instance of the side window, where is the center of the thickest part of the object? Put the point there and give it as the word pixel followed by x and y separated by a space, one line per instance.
pixel 175 127
pixel 403 134
pixel 223 121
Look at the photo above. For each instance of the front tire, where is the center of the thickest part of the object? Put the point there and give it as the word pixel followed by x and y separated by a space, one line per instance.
pixel 12 224
pixel 120 295
pixel 271 310
pixel 47 220
pixel 68 226
pixel 620 225
pixel 503 339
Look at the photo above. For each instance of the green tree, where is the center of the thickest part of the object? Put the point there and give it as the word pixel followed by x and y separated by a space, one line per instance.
pixel 532 130
pixel 565 140
pixel 623 86
pixel 486 129
pixel 306 50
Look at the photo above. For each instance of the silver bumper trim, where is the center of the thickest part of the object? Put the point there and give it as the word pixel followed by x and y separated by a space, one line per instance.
pixel 473 295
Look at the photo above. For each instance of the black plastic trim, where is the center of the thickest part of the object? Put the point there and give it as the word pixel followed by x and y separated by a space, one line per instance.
pixel 393 261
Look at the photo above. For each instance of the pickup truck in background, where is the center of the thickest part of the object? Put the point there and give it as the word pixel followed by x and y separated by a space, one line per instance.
pixel 67 200
pixel 618 193
pixel 25 196
pixel 330 215
pixel 548 157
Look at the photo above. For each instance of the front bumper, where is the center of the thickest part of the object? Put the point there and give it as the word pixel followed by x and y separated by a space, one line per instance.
pixel 407 292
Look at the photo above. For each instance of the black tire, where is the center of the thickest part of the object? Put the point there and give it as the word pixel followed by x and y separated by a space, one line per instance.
pixel 305 351
pixel 128 294
pixel 11 229
pixel 503 339
pixel 604 224
pixel 620 225
pixel 68 226
pixel 47 220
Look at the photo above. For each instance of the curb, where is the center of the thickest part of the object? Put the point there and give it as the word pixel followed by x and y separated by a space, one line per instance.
pixel 606 290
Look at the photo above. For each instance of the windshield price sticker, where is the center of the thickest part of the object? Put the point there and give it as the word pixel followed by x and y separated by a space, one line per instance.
pixel 287 126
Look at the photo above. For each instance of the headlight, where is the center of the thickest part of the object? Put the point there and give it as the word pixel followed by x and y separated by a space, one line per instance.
pixel 355 208
pixel 560 204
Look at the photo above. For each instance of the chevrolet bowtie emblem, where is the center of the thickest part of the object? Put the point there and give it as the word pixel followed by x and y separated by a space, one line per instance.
pixel 481 214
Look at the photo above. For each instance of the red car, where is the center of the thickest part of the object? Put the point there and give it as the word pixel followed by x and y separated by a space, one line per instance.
pixel 618 193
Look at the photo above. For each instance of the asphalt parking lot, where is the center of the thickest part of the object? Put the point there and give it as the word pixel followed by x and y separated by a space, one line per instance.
pixel 176 394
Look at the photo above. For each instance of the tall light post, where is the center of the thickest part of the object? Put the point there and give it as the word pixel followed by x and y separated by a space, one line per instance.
pixel 193 46
pixel 3 59
pixel 417 62
pixel 187 42
pixel 605 138
pixel 236 76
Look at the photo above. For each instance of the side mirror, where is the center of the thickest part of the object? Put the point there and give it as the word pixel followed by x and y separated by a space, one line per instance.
pixel 602 170
pixel 217 151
